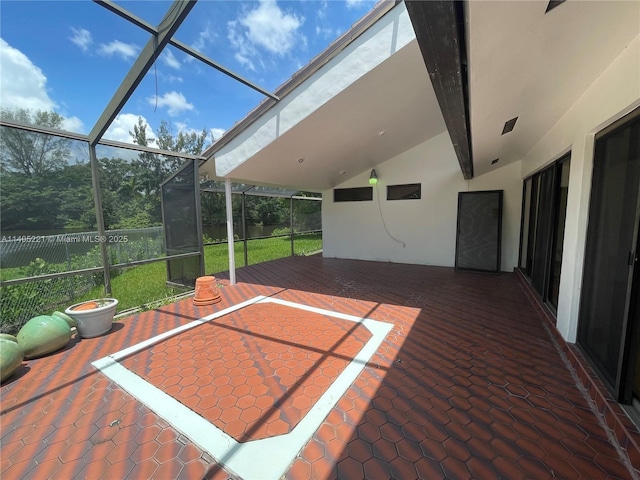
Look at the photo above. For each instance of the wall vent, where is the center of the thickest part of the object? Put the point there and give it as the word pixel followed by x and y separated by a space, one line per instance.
pixel 553 4
pixel 508 126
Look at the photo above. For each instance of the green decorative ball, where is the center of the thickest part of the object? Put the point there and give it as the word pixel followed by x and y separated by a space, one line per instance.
pixel 10 357
pixel 42 335
pixel 66 318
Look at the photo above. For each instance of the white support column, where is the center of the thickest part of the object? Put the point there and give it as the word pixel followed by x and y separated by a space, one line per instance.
pixel 230 237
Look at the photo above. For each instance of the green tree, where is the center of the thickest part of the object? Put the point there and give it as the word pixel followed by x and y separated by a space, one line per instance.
pixel 267 210
pixel 192 143
pixel 28 203
pixel 35 173
pixel 124 204
pixel 30 153
pixel 150 170
pixel 307 214
pixel 74 190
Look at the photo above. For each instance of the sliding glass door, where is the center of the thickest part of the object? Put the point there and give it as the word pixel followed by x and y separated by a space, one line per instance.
pixel 544 210
pixel 606 315
pixel 555 262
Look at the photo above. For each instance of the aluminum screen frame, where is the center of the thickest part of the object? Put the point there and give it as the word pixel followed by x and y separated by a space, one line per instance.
pixel 182 228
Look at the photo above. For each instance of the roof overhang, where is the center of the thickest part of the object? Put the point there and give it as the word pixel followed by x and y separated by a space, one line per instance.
pixel 367 104
pixel 497 75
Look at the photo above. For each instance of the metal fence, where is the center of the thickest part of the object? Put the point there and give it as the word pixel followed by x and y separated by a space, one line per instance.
pixel 19 303
pixel 73 251
pixel 54 257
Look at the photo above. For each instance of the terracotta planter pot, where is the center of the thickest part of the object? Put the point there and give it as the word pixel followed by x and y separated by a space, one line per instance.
pixel 93 318
pixel 207 292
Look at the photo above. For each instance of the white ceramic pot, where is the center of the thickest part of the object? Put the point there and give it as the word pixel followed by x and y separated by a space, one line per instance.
pixel 94 317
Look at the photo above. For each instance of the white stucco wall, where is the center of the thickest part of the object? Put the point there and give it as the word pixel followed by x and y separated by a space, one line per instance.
pixel 615 93
pixel 426 226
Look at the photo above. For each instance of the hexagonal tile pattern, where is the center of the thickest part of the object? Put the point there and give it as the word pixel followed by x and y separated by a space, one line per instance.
pixel 257 353
pixel 468 384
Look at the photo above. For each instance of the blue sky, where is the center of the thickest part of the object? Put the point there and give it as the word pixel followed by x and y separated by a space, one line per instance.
pixel 71 56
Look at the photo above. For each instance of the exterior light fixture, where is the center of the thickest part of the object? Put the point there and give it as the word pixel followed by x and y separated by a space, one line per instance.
pixel 373 178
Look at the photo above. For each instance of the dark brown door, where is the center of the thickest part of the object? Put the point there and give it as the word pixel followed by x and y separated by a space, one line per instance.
pixel 479 236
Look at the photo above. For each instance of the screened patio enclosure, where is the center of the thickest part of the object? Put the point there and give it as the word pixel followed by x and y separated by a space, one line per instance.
pixel 186 234
pixel 145 219
pixel 304 214
pixel 91 208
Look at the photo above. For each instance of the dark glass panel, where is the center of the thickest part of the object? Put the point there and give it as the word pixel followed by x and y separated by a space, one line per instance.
pixel 562 194
pixel 360 194
pixel 542 243
pixel 180 219
pixel 614 196
pixel 526 216
pixel 410 191
pixel 533 216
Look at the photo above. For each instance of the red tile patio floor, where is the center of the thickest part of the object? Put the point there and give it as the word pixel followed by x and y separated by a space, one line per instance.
pixel 469 383
pixel 255 372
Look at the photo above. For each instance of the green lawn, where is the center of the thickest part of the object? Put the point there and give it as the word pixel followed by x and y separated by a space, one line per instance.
pixel 134 286
pixel 144 284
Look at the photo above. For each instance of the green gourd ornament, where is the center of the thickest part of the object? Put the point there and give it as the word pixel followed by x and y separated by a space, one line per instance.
pixel 42 335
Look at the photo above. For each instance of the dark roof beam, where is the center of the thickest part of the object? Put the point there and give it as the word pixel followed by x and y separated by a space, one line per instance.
pixel 439 27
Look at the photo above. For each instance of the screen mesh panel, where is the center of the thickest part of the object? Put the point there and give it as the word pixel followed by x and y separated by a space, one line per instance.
pixel 180 216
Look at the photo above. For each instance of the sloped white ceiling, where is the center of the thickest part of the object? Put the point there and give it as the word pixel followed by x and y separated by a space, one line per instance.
pixel 531 65
pixel 344 134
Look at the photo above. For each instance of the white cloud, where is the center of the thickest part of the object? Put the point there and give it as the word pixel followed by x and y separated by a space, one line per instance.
pixel 170 60
pixel 174 101
pixel 326 32
pixel 175 78
pixel 213 134
pixel 73 124
pixel 204 37
pixel 245 51
pixel 123 124
pixel 322 30
pixel 124 50
pixel 269 27
pixel 266 27
pixel 354 3
pixel 216 133
pixel 82 38
pixel 22 84
pixel 182 127
pixel 322 12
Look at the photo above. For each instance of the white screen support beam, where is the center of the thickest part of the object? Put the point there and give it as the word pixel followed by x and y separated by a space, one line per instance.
pixel 230 237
